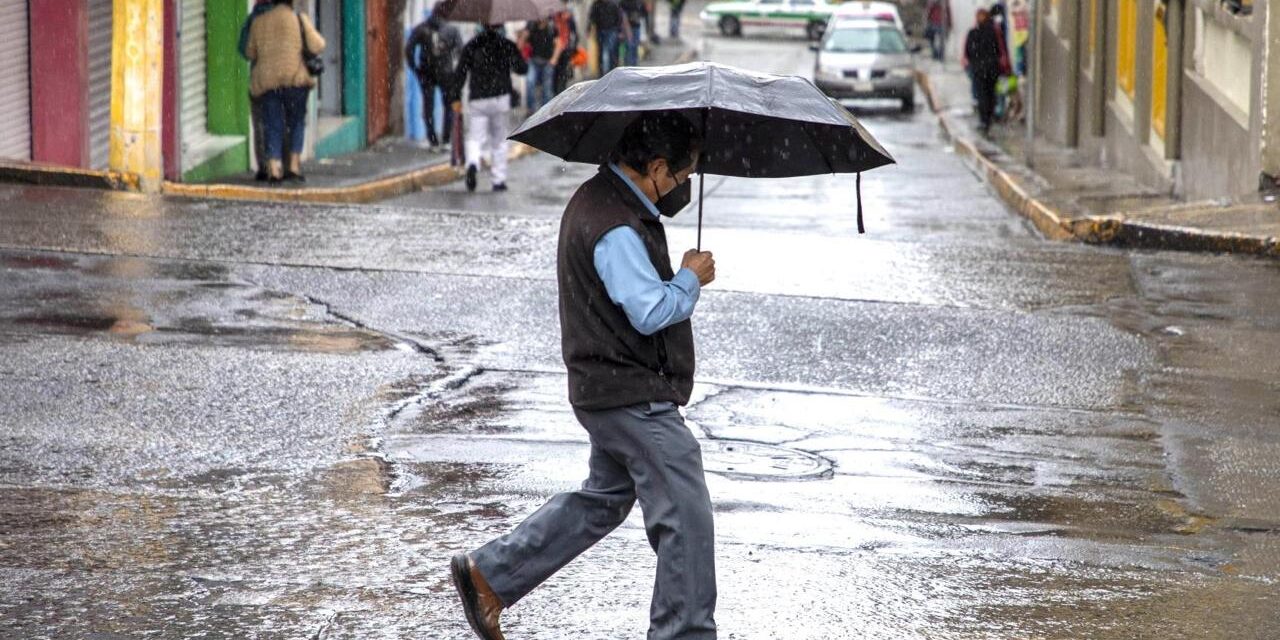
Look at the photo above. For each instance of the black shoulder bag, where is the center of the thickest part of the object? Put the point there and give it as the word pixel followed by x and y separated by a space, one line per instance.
pixel 313 62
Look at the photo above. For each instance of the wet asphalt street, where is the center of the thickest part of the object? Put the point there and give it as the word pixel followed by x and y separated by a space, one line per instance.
pixel 225 420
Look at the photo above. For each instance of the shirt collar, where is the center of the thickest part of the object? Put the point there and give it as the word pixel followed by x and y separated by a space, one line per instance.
pixel 648 204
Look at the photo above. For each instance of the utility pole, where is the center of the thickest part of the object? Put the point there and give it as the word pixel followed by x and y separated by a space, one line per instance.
pixel 137 75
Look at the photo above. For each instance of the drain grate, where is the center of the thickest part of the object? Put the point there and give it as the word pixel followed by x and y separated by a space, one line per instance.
pixel 756 461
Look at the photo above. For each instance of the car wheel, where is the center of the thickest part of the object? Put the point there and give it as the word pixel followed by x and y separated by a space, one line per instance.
pixel 815 30
pixel 909 103
pixel 730 26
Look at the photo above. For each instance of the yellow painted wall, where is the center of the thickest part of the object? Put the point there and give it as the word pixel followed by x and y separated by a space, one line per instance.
pixel 1127 47
pixel 1159 69
pixel 137 65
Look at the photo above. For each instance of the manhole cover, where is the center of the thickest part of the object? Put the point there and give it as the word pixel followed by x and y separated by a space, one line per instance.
pixel 756 461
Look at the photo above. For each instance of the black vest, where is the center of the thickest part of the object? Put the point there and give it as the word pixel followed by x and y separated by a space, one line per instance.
pixel 610 363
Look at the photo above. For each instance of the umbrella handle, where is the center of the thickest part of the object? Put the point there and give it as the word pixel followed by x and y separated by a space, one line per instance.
pixel 702 184
pixel 702 177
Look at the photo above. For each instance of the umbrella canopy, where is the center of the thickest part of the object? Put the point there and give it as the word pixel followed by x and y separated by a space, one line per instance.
pixel 497 11
pixel 753 125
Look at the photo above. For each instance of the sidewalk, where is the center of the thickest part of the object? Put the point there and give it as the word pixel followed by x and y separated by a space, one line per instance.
pixel 1069 198
pixel 393 166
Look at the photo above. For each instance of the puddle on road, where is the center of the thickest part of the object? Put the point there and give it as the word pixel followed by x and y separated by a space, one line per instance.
pixel 159 302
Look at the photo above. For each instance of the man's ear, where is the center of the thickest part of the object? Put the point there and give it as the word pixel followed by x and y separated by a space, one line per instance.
pixel 657 166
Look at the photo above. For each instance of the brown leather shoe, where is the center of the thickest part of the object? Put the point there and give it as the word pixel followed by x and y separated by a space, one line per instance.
pixel 479 602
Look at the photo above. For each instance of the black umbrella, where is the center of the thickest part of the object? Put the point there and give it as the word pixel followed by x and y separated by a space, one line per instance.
pixel 753 125
pixel 497 11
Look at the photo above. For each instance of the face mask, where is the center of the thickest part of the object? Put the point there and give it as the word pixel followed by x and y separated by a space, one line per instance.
pixel 675 200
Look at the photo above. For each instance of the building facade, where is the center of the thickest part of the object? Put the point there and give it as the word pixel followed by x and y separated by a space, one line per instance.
pixel 1174 92
pixel 64 72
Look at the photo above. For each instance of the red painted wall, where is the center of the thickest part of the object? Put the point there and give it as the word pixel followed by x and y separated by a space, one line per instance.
pixel 60 82
pixel 377 70
pixel 169 95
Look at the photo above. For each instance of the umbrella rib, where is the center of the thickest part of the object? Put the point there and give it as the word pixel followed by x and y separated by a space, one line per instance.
pixel 831 168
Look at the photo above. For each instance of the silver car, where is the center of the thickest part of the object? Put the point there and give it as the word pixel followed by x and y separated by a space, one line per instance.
pixel 863 58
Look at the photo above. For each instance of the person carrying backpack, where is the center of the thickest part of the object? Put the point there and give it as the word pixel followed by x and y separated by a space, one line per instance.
pixel 431 52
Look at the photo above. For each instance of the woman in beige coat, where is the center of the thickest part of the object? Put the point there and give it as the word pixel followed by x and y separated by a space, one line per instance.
pixel 279 78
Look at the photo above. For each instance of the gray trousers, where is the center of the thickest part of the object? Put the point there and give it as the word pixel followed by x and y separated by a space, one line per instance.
pixel 640 452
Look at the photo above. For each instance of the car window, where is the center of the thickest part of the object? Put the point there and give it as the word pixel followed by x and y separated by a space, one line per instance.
pixel 865 40
pixel 802 3
pixel 770 2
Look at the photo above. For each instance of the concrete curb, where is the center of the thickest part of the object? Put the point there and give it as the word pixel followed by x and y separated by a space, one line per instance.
pixel 1113 229
pixel 374 190
pixel 56 176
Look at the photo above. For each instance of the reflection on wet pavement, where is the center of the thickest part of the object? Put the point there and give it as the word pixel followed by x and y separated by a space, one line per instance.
pixel 278 421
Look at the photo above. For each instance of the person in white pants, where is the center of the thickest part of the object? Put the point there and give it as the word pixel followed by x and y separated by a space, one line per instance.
pixel 488 60
pixel 488 123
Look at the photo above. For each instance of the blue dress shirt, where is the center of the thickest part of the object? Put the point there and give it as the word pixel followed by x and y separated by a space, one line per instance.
pixel 622 263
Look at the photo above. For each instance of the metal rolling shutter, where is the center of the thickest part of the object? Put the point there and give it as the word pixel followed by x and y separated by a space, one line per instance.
pixel 194 126
pixel 99 83
pixel 15 82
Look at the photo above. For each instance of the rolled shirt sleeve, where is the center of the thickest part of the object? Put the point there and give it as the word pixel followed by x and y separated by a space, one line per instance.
pixel 650 303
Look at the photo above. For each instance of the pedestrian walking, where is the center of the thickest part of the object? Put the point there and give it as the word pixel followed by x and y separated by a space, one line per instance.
pixel 432 53
pixel 938 27
pixel 255 105
pixel 567 40
pixel 606 17
pixel 278 40
pixel 650 22
pixel 488 61
pixel 982 57
pixel 633 11
pixel 677 8
pixel 628 345
pixel 540 40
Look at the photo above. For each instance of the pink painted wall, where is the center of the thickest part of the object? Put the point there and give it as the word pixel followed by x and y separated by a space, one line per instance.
pixel 60 82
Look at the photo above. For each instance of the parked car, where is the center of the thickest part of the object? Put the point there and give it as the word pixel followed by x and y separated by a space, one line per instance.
pixel 882 11
pixel 808 16
pixel 863 58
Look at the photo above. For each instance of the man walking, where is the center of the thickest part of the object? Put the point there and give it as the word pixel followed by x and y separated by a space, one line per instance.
pixel 488 60
pixel 543 44
pixel 605 16
pixel 938 27
pixel 982 57
pixel 628 346
pixel 431 52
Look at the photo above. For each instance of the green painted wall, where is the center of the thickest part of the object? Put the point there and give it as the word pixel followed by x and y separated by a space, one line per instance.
pixel 234 160
pixel 228 73
pixel 349 137
pixel 353 59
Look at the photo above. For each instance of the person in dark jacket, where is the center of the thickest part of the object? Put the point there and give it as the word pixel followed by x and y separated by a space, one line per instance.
pixel 628 346
pixel 488 61
pixel 255 105
pixel 607 18
pixel 543 43
pixel 982 55
pixel 431 53
pixel 633 10
pixel 673 27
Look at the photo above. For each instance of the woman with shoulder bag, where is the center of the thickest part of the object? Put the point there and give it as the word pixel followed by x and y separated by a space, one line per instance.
pixel 284 47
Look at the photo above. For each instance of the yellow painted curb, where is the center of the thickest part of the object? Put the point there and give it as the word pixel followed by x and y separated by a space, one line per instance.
pixel 432 176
